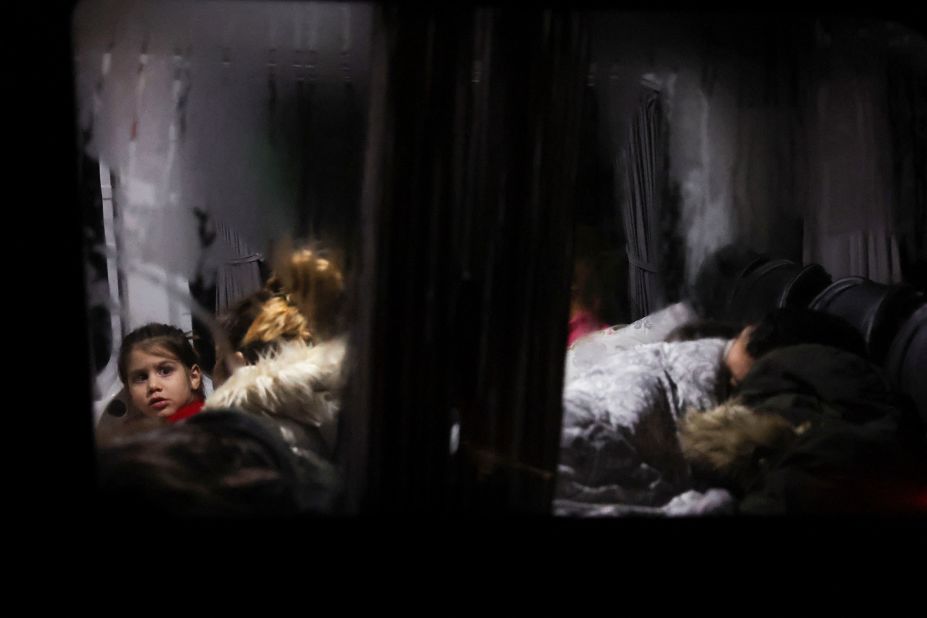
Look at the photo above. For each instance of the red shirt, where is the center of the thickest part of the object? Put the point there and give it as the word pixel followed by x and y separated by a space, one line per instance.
pixel 187 411
pixel 582 323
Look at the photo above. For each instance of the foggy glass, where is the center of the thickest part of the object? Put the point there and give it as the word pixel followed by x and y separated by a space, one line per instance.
pixel 790 136
pixel 209 132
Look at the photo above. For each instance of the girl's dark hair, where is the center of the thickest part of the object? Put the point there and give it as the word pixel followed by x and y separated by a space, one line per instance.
pixel 793 326
pixel 164 336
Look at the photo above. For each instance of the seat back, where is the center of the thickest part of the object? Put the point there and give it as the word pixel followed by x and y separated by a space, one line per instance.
pixel 906 363
pixel 717 280
pixel 876 310
pixel 760 290
pixel 808 283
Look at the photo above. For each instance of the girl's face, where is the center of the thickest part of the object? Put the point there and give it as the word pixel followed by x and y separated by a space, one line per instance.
pixel 158 383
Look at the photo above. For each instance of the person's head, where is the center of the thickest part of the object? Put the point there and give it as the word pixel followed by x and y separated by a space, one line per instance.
pixel 277 322
pixel 790 326
pixel 218 463
pixel 160 370
pixel 591 260
pixel 237 319
pixel 586 287
pixel 235 323
pixel 315 285
pixel 255 326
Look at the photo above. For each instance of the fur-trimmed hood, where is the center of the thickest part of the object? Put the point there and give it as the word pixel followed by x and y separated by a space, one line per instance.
pixel 299 382
pixel 733 442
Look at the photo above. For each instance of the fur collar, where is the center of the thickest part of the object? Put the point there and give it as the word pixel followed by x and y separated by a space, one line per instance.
pixel 298 382
pixel 734 442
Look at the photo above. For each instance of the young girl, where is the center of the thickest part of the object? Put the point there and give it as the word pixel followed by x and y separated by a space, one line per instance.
pixel 158 366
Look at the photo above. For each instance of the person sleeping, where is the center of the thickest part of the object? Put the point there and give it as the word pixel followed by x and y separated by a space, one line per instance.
pixel 812 429
pixel 619 433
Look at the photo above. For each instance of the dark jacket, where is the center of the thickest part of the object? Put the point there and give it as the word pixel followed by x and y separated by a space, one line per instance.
pixel 863 449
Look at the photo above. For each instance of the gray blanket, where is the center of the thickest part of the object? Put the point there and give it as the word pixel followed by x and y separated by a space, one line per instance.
pixel 619 450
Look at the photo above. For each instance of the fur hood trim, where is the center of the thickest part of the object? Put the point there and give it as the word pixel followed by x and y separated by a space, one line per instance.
pixel 299 382
pixel 734 441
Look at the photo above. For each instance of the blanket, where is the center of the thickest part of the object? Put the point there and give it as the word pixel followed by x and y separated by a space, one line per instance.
pixel 619 447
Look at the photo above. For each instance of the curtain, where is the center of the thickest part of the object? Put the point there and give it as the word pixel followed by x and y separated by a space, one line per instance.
pixel 849 227
pixel 251 112
pixel 907 100
pixel 239 269
pixel 863 113
pixel 470 177
pixel 799 138
pixel 643 163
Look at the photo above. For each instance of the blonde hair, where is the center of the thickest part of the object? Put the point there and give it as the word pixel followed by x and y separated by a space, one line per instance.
pixel 315 285
pixel 277 319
